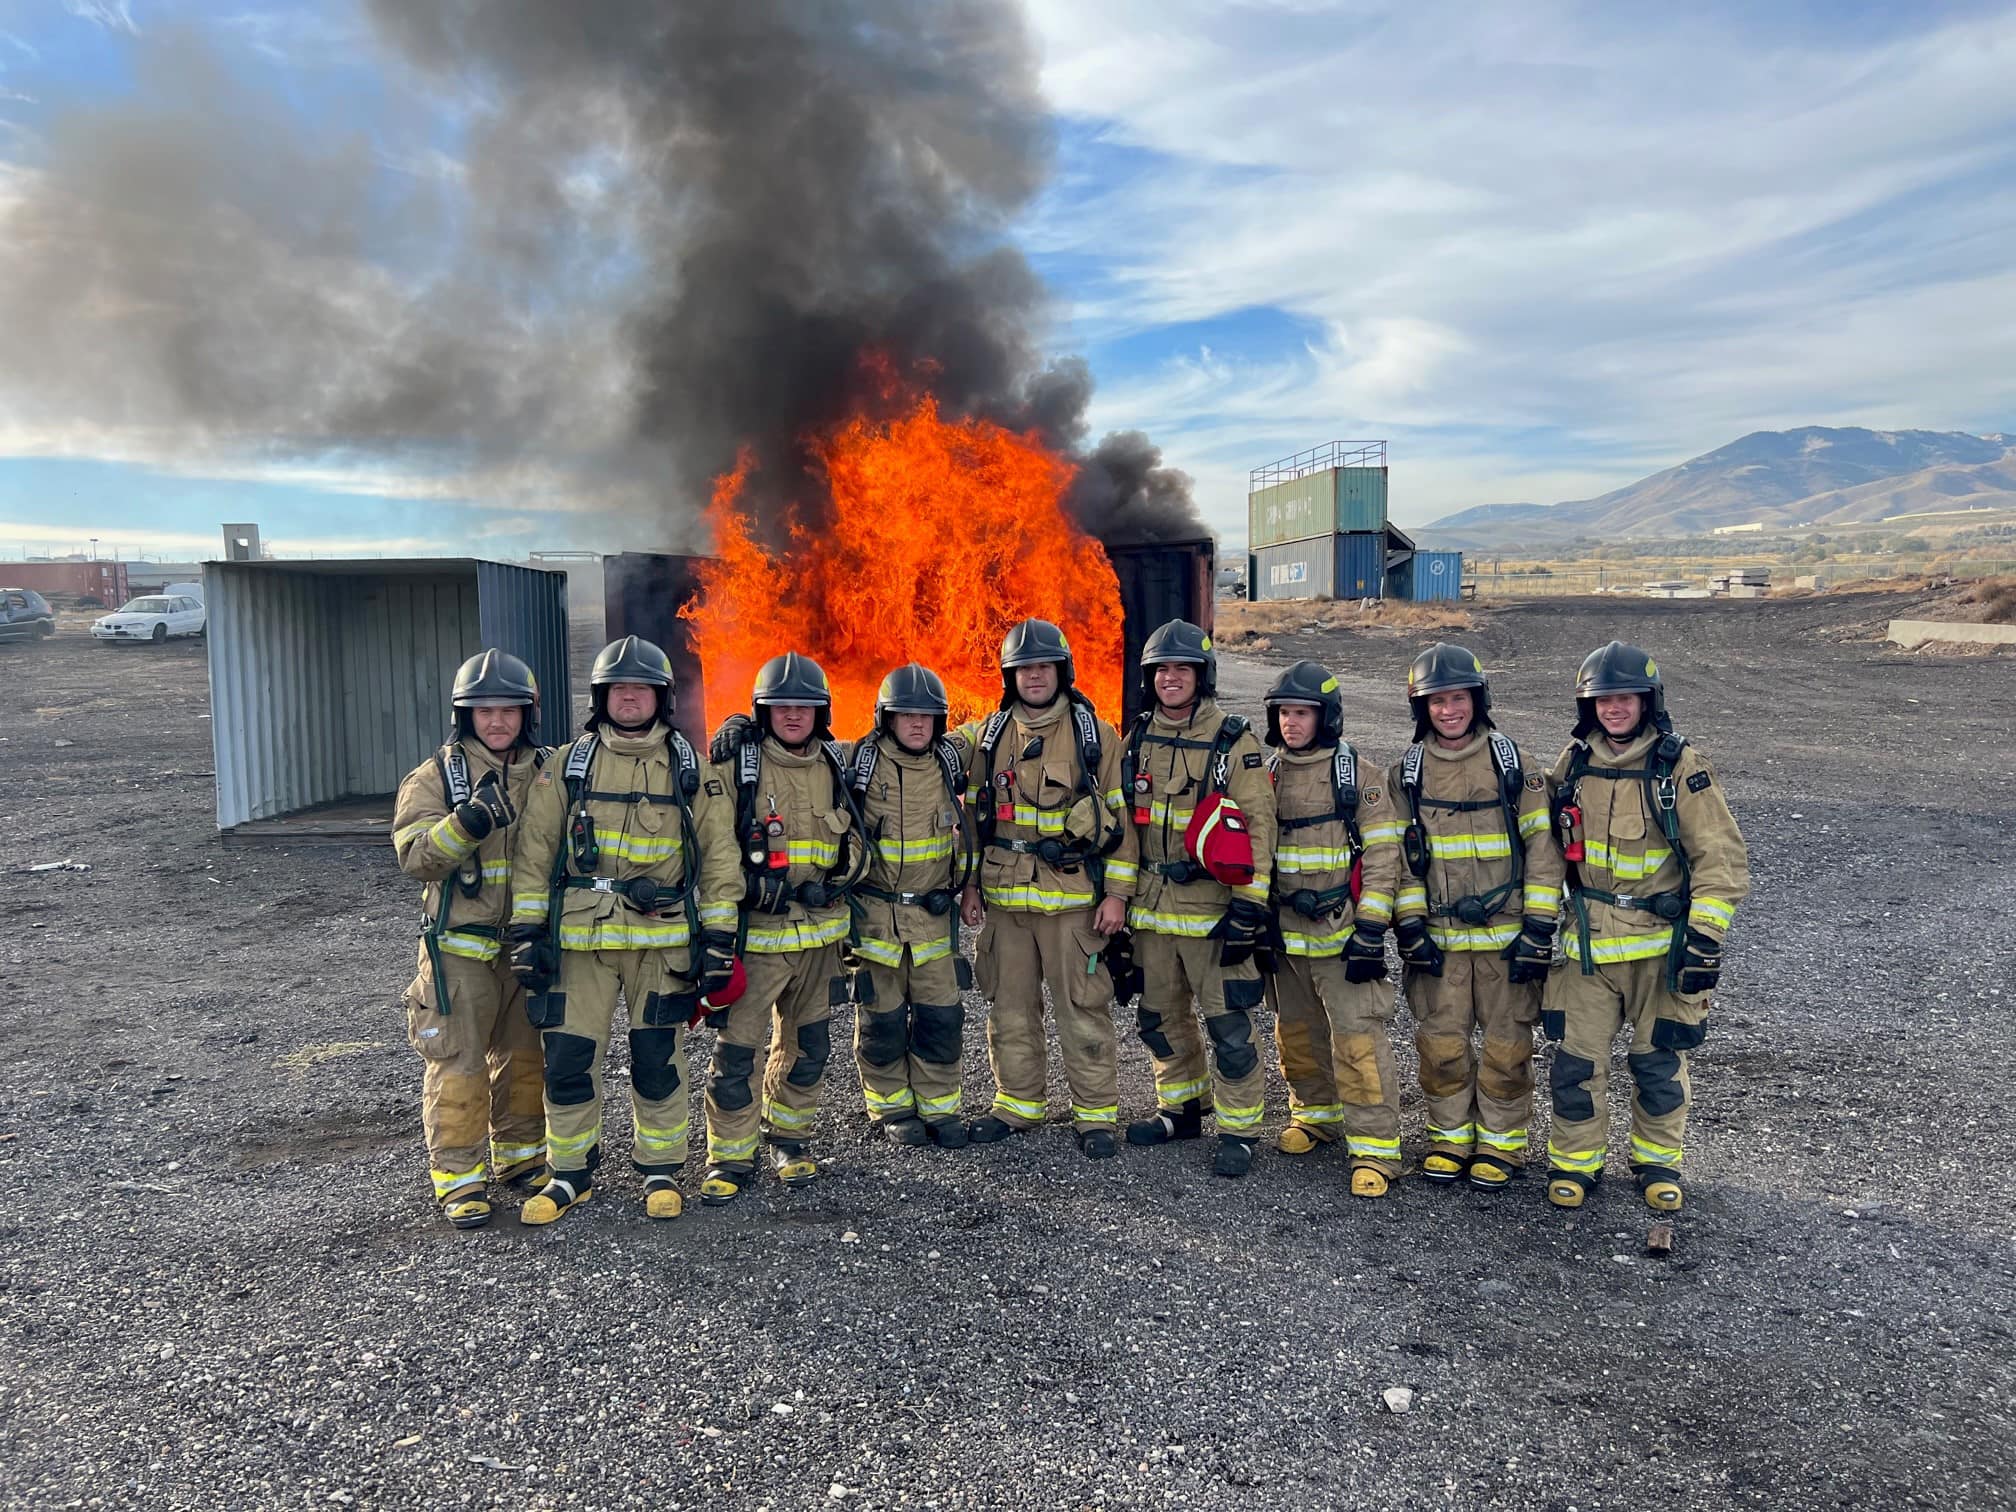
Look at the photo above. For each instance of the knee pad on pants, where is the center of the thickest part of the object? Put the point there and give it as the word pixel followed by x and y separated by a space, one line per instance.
pixel 570 1065
pixel 885 1037
pixel 1657 1073
pixel 669 1010
pixel 654 1064
pixel 732 1065
pixel 1232 1041
pixel 1149 1022
pixel 938 1032
pixel 1571 1097
pixel 1553 1024
pixel 815 1047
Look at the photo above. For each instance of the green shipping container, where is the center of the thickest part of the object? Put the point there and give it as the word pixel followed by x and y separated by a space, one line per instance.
pixel 1335 501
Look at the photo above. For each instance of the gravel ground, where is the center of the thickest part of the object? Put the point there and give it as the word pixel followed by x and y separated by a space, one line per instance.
pixel 222 1282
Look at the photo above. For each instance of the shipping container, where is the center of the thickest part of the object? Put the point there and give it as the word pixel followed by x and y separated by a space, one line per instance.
pixel 107 583
pixel 1336 500
pixel 1351 566
pixel 330 680
pixel 1430 576
pixel 1165 581
pixel 642 594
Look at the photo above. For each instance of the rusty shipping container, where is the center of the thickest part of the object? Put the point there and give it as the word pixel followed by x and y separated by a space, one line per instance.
pixel 107 582
pixel 1160 582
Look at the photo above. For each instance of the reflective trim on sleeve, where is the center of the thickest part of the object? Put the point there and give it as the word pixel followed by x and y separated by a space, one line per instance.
pixel 1413 898
pixel 719 915
pixel 1530 824
pixel 1383 834
pixel 824 853
pixel 450 838
pixel 1123 871
pixel 1712 911
pixel 470 947
pixel 1375 906
pixel 530 907
pixel 1539 897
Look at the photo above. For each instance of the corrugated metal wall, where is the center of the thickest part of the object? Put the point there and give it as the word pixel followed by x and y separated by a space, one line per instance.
pixel 276 705
pixel 523 610
pixel 1336 500
pixel 1329 566
pixel 402 639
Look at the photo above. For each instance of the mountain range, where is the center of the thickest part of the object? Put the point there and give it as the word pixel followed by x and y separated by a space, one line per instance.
pixel 1815 475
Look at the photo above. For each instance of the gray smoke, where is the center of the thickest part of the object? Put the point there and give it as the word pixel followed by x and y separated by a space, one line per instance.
pixel 670 231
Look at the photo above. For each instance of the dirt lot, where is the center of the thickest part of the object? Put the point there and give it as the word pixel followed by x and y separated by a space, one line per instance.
pixel 222 1282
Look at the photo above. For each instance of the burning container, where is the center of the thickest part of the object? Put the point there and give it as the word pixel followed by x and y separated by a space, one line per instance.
pixel 329 680
pixel 643 592
pixel 107 582
pixel 1158 583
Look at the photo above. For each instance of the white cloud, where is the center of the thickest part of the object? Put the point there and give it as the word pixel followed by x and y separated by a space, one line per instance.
pixel 113 15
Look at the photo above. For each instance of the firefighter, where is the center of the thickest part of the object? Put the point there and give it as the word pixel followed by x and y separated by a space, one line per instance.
pixel 1056 871
pixel 802 852
pixel 1476 918
pixel 1655 868
pixel 1196 782
pixel 1336 864
pixel 909 778
pixel 465 1012
pixel 624 879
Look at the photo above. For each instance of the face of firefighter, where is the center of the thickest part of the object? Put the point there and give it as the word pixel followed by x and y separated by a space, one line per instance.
pixel 632 705
pixel 1175 685
pixel 1037 684
pixel 498 728
pixel 913 731
pixel 1452 714
pixel 793 724
pixel 1619 714
pixel 1298 725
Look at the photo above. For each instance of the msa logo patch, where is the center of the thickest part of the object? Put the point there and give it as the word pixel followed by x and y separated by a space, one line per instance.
pixel 1699 781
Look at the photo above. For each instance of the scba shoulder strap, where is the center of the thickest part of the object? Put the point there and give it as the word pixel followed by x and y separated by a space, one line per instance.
pixel 1343 794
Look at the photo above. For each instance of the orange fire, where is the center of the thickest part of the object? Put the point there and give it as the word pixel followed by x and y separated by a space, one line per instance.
pixel 938 536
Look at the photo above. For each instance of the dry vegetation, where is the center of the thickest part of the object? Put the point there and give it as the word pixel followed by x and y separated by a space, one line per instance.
pixel 1248 626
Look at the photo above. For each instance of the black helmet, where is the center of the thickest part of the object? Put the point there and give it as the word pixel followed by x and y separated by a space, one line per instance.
pixel 793 679
pixel 1620 668
pixel 495 679
pixel 1310 683
pixel 629 660
pixel 913 689
pixel 1444 668
pixel 1030 644
pixel 1180 641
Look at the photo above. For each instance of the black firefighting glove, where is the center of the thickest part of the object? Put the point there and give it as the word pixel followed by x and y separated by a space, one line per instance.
pixel 1365 953
pixel 1700 963
pixel 1416 949
pixel 717 959
pixel 1120 965
pixel 1240 932
pixel 486 809
pixel 533 958
pixel 1531 951
pixel 728 739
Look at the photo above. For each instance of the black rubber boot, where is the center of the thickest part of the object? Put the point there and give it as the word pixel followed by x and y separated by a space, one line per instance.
pixel 1186 1122
pixel 906 1131
pixel 1234 1157
pixel 990 1130
pixel 1097 1144
pixel 948 1133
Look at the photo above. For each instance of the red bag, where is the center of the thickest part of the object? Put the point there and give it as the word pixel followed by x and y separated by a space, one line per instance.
pixel 1218 840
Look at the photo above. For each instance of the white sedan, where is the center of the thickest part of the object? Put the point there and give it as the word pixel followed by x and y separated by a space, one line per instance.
pixel 153 618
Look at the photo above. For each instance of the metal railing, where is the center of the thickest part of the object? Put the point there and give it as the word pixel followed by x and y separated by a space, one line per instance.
pixel 1317 459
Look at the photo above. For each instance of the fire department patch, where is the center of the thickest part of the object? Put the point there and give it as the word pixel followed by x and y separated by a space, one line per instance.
pixel 714 789
pixel 1698 781
pixel 1253 758
pixel 1536 784
pixel 1372 795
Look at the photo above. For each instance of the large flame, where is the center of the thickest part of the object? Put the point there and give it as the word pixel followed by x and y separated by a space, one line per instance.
pixel 935 537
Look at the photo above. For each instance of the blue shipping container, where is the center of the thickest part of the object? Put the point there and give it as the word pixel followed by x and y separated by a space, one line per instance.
pixel 1432 576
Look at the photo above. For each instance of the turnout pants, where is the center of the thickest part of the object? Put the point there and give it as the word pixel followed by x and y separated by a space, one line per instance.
pixel 1475 1101
pixel 482 1077
pixel 660 1000
pixel 910 1041
pixel 1336 1058
pixel 1175 970
pixel 1584 1013
pixel 777 1038
pixel 1019 954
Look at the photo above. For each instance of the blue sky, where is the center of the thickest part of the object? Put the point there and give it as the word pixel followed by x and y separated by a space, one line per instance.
pixel 1543 249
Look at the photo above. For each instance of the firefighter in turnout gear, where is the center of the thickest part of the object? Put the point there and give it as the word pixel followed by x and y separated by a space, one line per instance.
pixel 909 778
pixel 1336 865
pixel 1203 808
pixel 1656 868
pixel 465 1012
pixel 623 880
pixel 1056 871
pixel 802 851
pixel 1476 918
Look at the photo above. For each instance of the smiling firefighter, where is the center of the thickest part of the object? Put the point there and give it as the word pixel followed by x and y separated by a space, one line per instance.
pixel 1203 809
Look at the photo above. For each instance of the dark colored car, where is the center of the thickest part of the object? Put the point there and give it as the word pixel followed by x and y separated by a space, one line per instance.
pixel 25 615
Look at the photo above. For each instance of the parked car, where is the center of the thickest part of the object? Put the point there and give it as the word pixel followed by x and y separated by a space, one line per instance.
pixel 25 615
pixel 153 618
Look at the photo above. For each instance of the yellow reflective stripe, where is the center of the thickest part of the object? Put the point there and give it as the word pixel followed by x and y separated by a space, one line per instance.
pixel 881 952
pixel 1238 1118
pixel 497 871
pixel 620 934
pixel 569 1149
pixel 1530 824
pixel 930 950
pixel 1511 1141
pixel 1030 898
pixel 942 1105
pixel 1541 898
pixel 1084 1114
pixel 447 1181
pixel 452 839
pixel 510 1155
pixel 470 947
pixel 645 850
pixel 1713 911
pixel 1455 1134
pixel 1574 1160
pixel 1463 937
pixel 806 934
pixel 1645 1152
pixel 1413 898
pixel 1383 834
pixel 1172 1095
pixel 1375 905
pixel 791 1120
pixel 1122 871
pixel 1608 950
pixel 1158 811
pixel 529 905
pixel 1624 866
pixel 1315 1113
pixel 652 1140
pixel 896 852
pixel 721 1151
pixel 1021 1107
pixel 1043 821
pixel 812 852
pixel 407 832
pixel 1115 799
pixel 901 1100
pixel 1192 926
pixel 1366 1147
pixel 1311 858
pixel 1255 891
pixel 719 915
pixel 1469 847
pixel 1302 942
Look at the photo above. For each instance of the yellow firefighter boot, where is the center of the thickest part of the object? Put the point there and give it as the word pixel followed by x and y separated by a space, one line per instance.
pixel 468 1209
pixel 1491 1173
pixel 555 1199
pixel 661 1198
pixel 1660 1187
pixel 1440 1166
pixel 1568 1189
pixel 1367 1182
pixel 1297 1139
pixel 793 1166
pixel 722 1186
